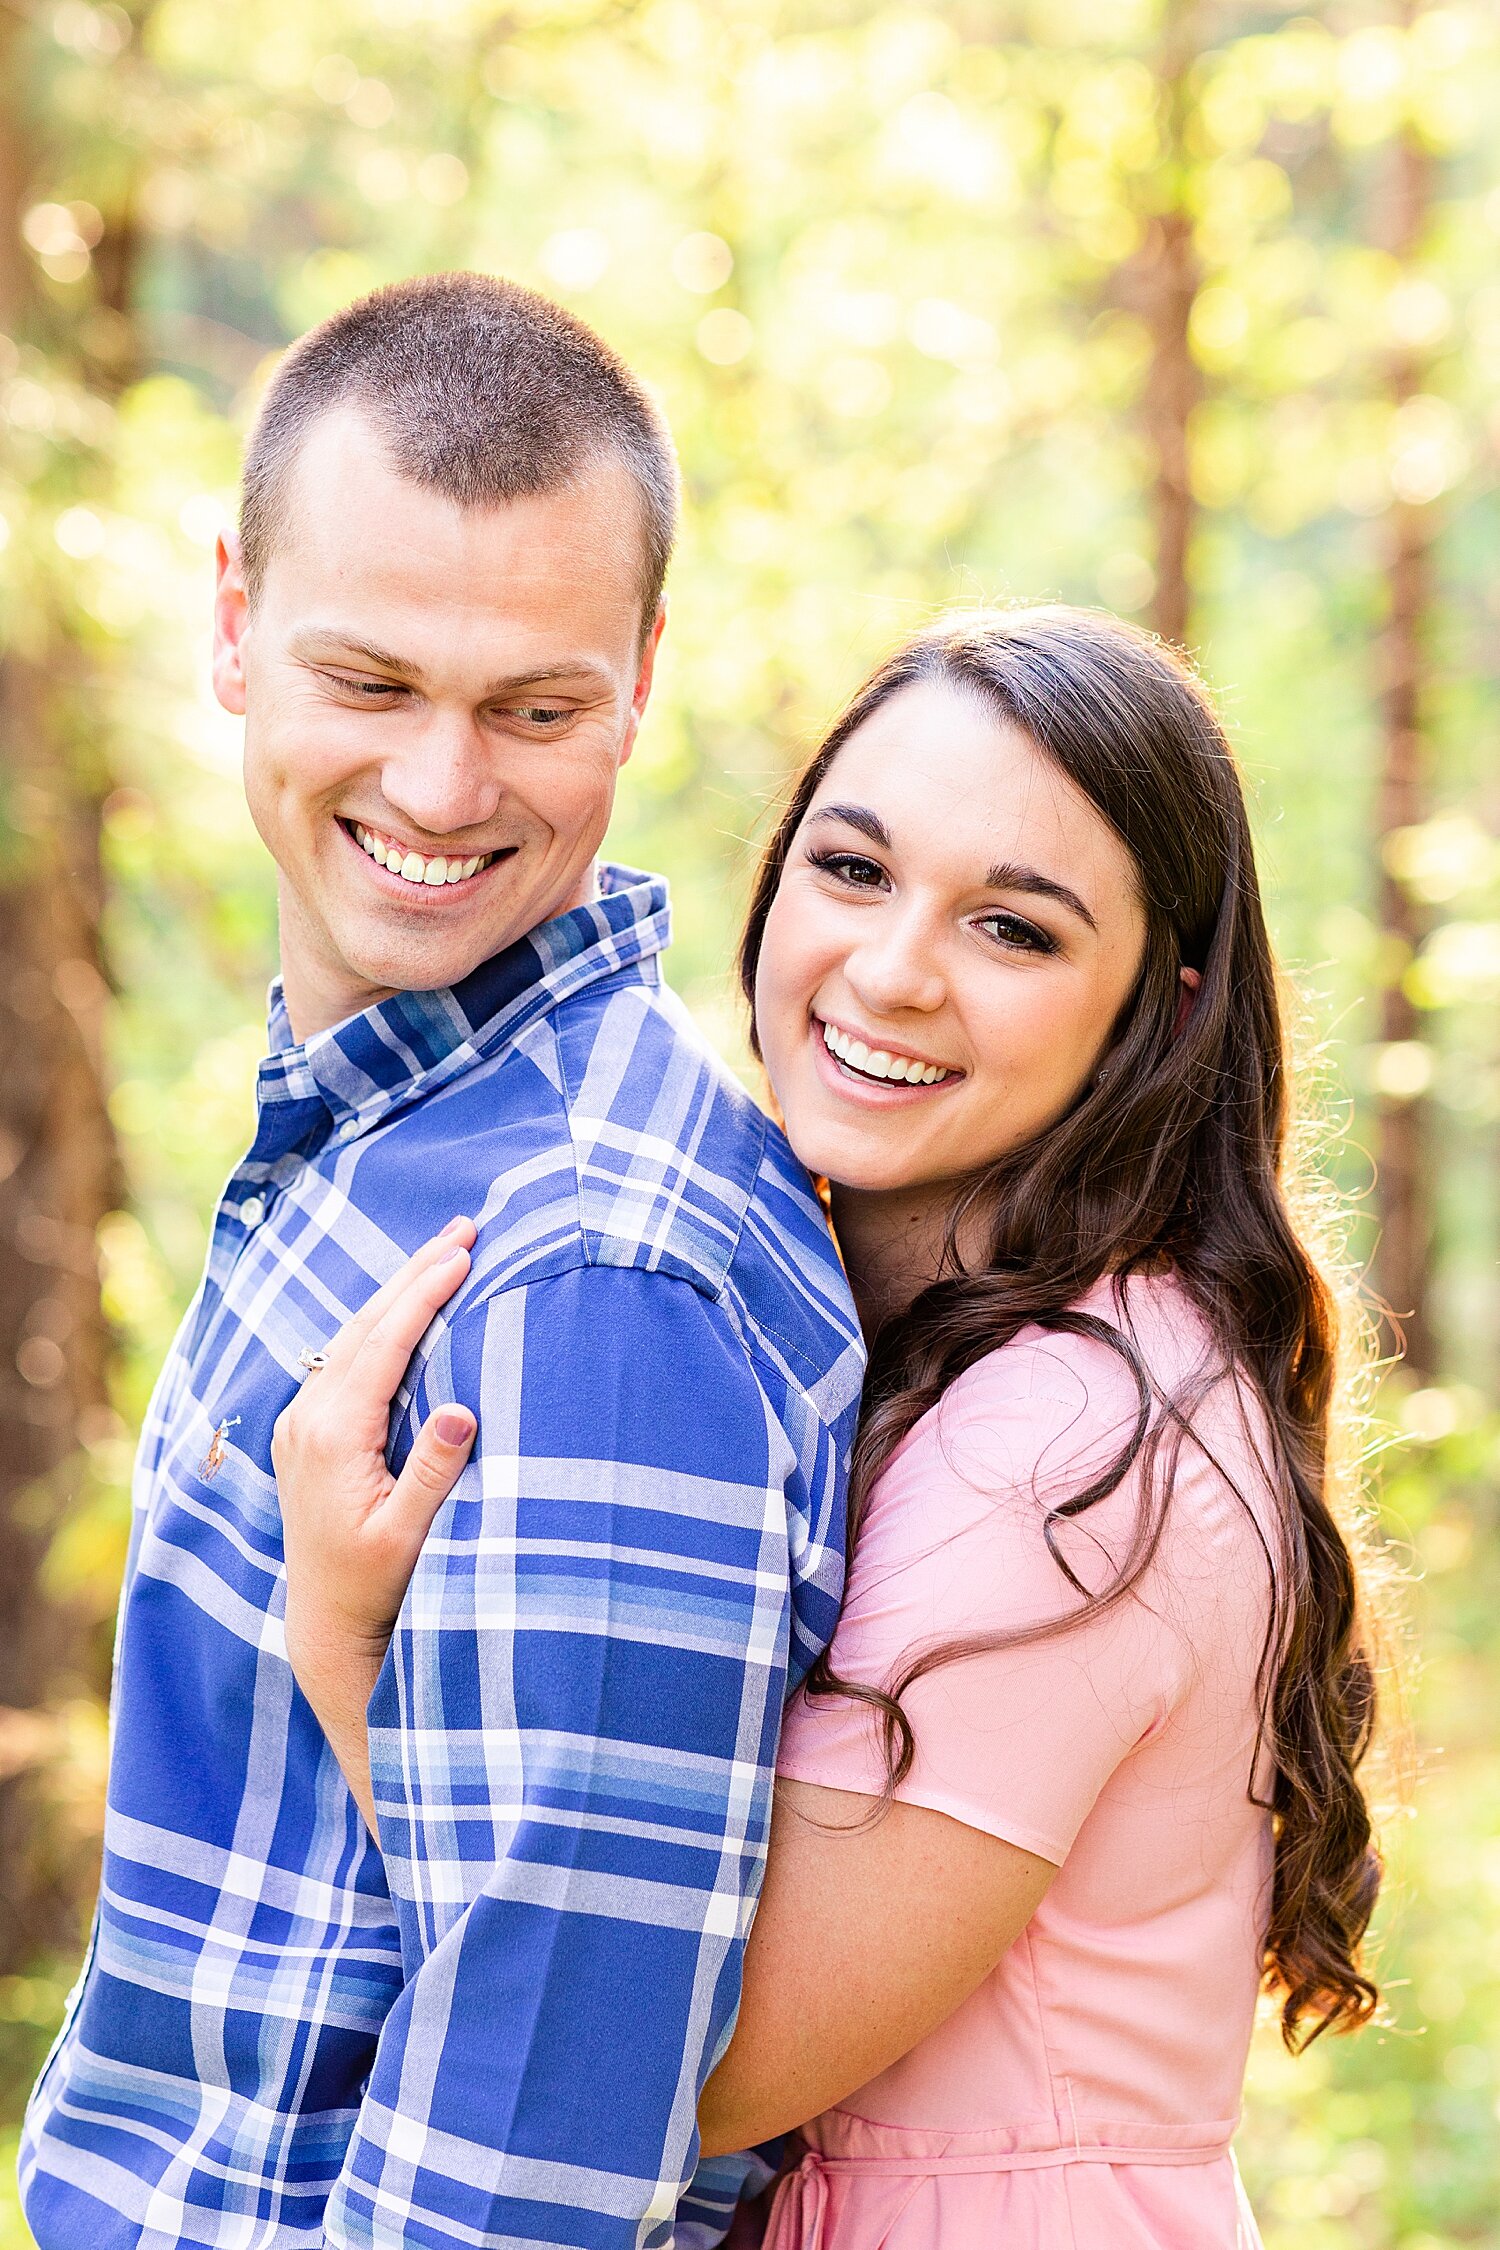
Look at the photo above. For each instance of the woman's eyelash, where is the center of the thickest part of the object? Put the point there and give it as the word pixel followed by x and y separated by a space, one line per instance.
pixel 1011 930
pixel 843 866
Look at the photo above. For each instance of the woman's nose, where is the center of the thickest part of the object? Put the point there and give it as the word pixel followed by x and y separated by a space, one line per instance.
pixel 445 778
pixel 897 967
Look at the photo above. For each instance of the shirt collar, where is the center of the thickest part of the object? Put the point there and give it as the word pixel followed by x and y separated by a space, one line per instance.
pixel 361 1069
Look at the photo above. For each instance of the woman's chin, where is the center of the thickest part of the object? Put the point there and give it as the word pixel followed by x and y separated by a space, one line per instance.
pixel 852 1169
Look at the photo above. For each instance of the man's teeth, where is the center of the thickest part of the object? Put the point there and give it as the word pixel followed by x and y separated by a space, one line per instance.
pixel 412 866
pixel 876 1063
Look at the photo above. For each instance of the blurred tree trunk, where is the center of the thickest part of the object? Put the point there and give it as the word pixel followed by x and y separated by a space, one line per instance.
pixel 1166 284
pixel 1403 1147
pixel 58 1164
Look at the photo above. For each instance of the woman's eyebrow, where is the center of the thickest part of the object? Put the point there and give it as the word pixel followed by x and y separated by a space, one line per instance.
pixel 856 816
pixel 1008 877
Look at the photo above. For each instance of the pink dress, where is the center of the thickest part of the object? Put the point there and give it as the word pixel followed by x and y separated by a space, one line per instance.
pixel 1085 2097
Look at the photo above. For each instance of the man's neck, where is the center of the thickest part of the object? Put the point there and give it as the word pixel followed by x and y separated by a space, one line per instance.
pixel 318 992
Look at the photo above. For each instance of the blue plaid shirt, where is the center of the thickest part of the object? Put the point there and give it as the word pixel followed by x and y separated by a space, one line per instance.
pixel 493 2029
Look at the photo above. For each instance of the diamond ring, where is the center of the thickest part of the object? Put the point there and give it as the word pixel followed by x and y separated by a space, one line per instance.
pixel 311 1360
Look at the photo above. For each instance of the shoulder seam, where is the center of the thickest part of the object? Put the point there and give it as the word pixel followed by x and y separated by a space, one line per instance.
pixel 748 1339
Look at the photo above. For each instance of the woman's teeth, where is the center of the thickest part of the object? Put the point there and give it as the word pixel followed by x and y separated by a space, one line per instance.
pixel 412 867
pixel 877 1063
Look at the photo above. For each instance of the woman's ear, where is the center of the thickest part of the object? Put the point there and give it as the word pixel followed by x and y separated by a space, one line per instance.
pixel 1190 980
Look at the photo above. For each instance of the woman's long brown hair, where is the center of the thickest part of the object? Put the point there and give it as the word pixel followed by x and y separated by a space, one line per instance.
pixel 1177 1153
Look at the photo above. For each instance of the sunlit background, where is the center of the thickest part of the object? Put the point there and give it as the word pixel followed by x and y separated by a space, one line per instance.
pixel 1192 311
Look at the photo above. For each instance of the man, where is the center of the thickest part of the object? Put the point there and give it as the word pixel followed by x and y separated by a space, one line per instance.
pixel 491 2024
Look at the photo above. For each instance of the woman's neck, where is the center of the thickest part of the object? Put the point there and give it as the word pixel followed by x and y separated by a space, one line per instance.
pixel 893 1244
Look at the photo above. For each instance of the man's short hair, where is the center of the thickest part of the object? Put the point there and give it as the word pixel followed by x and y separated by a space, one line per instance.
pixel 482 390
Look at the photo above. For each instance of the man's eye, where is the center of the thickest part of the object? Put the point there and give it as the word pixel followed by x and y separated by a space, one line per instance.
pixel 542 714
pixel 849 867
pixel 364 691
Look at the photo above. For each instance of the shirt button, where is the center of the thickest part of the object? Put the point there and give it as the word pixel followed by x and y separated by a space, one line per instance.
pixel 252 1210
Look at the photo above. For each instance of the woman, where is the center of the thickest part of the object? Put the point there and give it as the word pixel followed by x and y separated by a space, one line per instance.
pixel 1078 1774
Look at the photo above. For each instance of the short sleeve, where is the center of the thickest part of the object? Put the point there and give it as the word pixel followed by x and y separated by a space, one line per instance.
pixel 1018 1740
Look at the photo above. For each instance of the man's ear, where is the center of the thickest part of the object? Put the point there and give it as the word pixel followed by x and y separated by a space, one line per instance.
pixel 1190 980
pixel 231 620
pixel 642 691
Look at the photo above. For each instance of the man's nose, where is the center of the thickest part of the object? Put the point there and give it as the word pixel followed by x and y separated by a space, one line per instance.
pixel 444 776
pixel 898 966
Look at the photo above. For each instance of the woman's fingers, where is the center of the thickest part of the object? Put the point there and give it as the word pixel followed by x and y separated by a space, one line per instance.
pixel 382 1354
pixel 432 1468
pixel 345 1343
pixel 459 1233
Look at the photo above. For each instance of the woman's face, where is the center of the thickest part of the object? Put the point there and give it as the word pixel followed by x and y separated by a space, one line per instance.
pixel 954 936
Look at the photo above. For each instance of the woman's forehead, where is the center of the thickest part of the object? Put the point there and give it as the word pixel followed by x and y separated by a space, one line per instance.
pixel 944 772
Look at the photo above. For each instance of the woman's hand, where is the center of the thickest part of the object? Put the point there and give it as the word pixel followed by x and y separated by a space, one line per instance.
pixel 352 1531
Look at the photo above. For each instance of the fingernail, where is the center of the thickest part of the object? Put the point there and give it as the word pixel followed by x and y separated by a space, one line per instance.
pixel 452 1227
pixel 454 1427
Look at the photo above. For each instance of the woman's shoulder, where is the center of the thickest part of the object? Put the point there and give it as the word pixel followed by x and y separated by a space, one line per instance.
pixel 1151 1313
pixel 1017 1502
pixel 1134 1374
pixel 1120 1344
pixel 1120 1351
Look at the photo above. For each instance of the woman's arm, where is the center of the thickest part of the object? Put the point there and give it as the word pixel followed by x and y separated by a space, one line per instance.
pixel 352 1532
pixel 869 1934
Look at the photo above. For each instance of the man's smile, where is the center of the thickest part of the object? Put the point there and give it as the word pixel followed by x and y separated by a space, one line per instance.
pixel 419 871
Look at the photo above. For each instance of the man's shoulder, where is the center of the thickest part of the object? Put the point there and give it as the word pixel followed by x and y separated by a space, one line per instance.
pixel 635 1146
pixel 679 1169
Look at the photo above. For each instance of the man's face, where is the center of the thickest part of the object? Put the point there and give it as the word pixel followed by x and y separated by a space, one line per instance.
pixel 458 687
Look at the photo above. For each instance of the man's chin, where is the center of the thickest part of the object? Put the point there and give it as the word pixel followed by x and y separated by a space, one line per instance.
pixel 427 960
pixel 437 942
pixel 422 968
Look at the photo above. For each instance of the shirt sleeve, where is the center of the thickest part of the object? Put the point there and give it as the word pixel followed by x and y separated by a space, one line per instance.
pixel 571 1749
pixel 1018 1740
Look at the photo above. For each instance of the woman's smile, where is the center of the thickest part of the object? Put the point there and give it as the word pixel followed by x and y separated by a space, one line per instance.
pixel 872 1068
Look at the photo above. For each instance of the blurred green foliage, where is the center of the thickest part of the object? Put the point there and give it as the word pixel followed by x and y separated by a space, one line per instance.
pixel 878 263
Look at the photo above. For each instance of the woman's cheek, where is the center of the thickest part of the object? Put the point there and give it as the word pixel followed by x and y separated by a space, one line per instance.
pixel 1032 1062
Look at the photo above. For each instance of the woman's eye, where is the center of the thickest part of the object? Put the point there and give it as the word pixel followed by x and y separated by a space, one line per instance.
pixel 1021 936
pixel 850 867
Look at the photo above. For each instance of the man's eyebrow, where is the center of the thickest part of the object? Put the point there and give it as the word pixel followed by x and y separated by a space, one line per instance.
pixel 328 641
pixel 580 669
pixel 856 816
pixel 1031 880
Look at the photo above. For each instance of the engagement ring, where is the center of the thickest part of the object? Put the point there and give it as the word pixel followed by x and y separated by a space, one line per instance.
pixel 311 1360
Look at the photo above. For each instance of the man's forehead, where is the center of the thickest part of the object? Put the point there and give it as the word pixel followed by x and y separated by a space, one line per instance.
pixel 350 512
